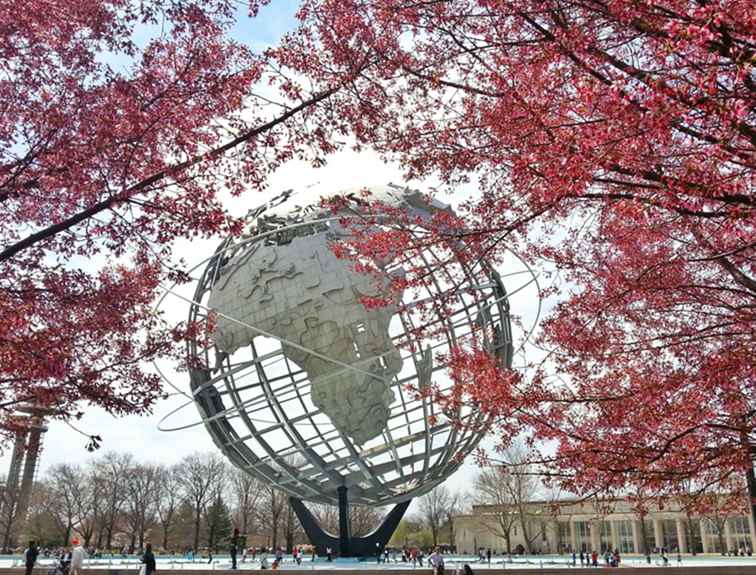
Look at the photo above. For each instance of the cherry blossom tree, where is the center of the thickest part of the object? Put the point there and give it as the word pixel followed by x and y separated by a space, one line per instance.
pixel 615 142
pixel 122 124
pixel 612 140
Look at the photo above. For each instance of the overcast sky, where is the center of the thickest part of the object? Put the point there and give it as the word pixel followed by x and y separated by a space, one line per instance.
pixel 140 435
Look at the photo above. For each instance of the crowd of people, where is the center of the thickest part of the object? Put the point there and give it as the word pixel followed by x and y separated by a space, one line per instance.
pixel 278 555
pixel 70 560
pixel 592 558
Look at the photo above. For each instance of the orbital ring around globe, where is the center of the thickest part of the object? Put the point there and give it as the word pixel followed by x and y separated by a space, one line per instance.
pixel 305 388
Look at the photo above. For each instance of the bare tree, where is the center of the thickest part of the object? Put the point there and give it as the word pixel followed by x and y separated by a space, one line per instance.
pixel 456 505
pixel 216 512
pixel 99 486
pixel 432 508
pixel 270 515
pixel 113 469
pixel 326 515
pixel 41 525
pixel 87 496
pixel 363 519
pixel 490 489
pixel 198 476
pixel 524 486
pixel 247 492
pixel 67 481
pixel 168 497
pixel 290 526
pixel 510 489
pixel 140 507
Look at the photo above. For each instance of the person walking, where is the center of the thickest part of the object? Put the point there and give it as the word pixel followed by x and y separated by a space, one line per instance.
pixel 436 561
pixel 488 556
pixel 279 558
pixel 149 560
pixel 233 547
pixel 64 564
pixel 31 554
pixel 77 557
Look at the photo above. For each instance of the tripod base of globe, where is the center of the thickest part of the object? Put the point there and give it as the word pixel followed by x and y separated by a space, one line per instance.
pixel 370 545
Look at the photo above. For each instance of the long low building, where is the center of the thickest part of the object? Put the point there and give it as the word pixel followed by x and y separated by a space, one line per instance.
pixel 572 525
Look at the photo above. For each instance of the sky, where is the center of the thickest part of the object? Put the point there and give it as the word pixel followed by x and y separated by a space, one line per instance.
pixel 141 436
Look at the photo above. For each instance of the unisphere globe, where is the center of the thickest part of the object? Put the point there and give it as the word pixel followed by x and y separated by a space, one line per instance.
pixel 303 386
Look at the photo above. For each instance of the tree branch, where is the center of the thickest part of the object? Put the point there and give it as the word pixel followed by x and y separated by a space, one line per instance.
pixel 139 187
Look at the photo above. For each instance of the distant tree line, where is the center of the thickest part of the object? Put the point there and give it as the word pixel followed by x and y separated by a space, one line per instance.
pixel 115 502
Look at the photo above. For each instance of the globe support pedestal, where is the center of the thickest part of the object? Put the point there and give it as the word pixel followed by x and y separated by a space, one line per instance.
pixel 345 527
pixel 368 546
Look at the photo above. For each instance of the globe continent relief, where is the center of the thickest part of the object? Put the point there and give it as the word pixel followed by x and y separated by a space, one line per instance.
pixel 301 293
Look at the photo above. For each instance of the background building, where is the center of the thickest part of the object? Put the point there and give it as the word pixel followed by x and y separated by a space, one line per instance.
pixel 567 525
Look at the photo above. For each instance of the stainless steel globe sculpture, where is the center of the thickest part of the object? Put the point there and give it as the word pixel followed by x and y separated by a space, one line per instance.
pixel 305 388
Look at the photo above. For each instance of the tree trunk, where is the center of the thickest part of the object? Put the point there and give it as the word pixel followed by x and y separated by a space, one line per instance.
pixel 211 535
pixel 722 544
pixel 644 548
pixel 689 535
pixel 166 526
pixel 525 534
pixel 197 520
pixel 7 536
pixel 289 541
